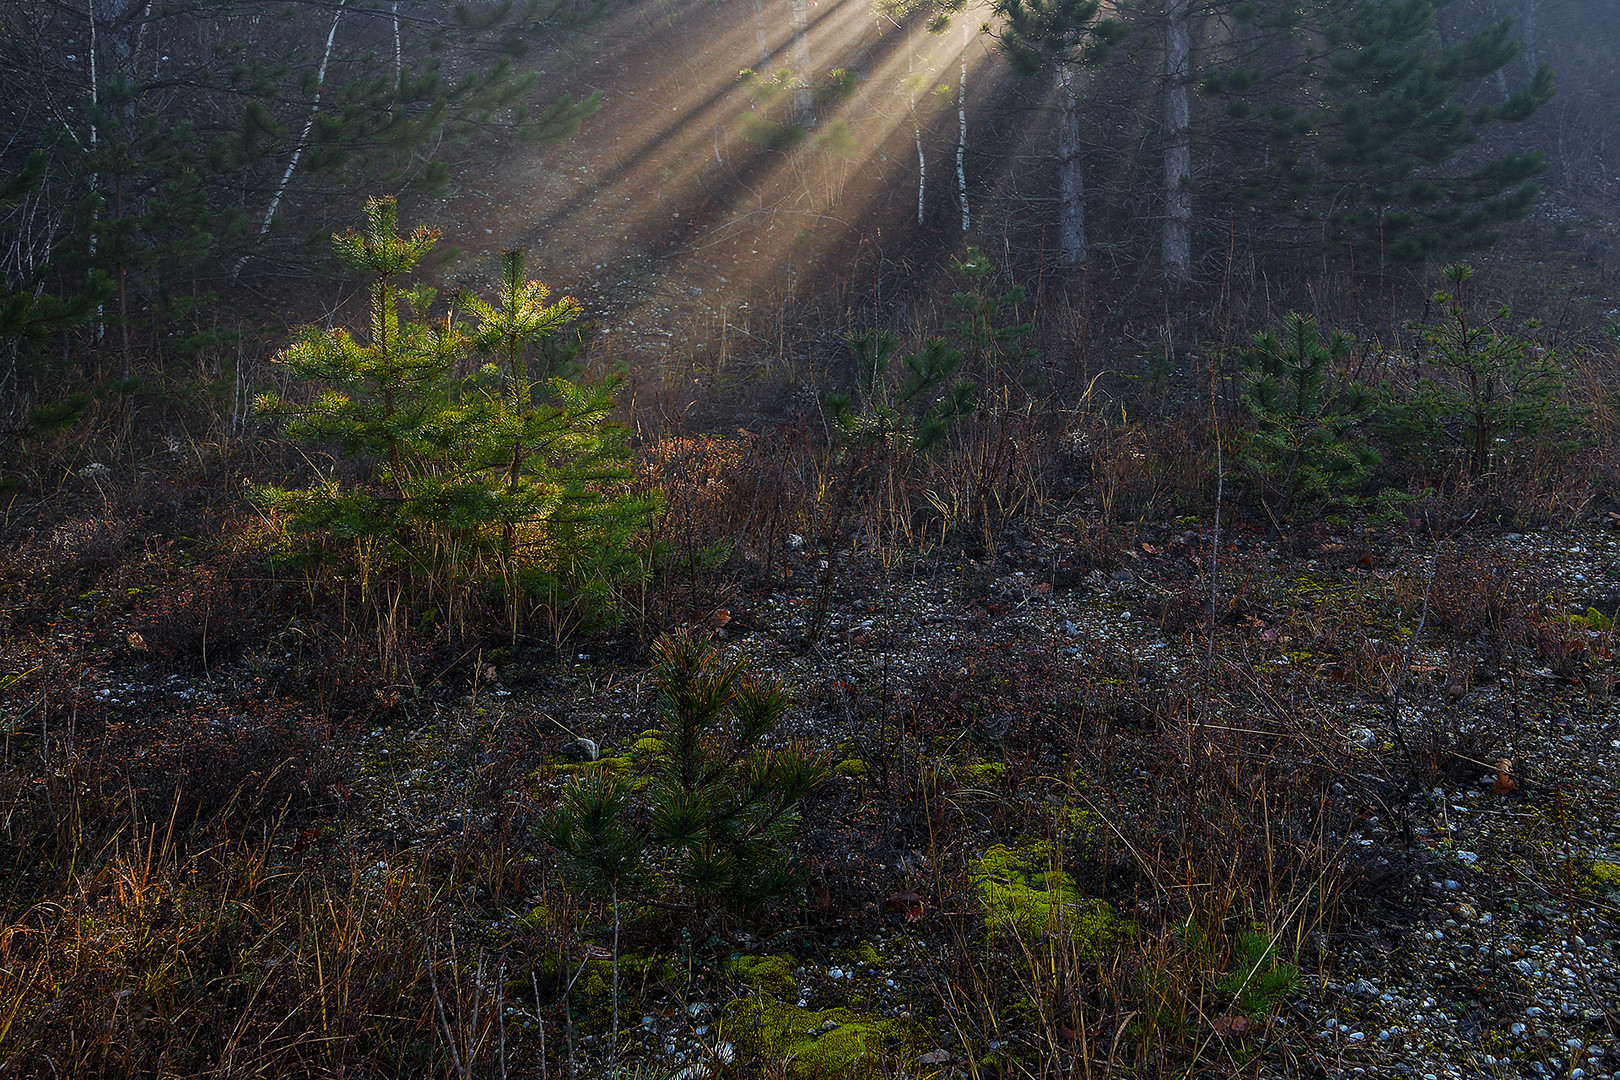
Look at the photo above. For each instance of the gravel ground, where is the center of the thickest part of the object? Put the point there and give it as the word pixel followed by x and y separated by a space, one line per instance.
pixel 1494 952
pixel 1481 940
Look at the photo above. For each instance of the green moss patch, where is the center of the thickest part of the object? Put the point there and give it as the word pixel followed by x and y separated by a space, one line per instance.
pixel 648 745
pixel 813 1044
pixel 618 766
pixel 1024 900
pixel 983 772
pixel 772 974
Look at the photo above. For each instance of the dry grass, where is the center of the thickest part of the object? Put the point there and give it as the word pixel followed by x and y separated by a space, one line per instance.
pixel 186 899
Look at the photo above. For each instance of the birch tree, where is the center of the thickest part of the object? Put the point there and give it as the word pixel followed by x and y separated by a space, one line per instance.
pixel 937 16
pixel 176 135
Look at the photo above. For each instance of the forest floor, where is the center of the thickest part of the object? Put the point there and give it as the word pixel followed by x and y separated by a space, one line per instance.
pixel 1113 791
pixel 1366 825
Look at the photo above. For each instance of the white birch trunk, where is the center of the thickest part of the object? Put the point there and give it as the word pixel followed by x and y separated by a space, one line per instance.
pixel 303 140
pixel 962 135
pixel 399 53
pixel 916 132
pixel 1071 176
pixel 1176 253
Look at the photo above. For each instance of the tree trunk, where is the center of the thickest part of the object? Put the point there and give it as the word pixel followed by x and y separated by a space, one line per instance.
pixel 1176 253
pixel 399 54
pixel 1527 36
pixel 916 134
pixel 804 94
pixel 303 140
pixel 962 135
pixel 1071 177
pixel 762 42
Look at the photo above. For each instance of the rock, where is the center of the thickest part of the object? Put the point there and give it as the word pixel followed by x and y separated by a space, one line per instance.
pixel 581 750
pixel 1360 738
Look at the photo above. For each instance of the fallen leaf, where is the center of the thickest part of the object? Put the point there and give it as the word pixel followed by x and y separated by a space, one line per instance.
pixel 136 642
pixel 718 618
pixel 908 904
pixel 1229 1024
pixel 1504 783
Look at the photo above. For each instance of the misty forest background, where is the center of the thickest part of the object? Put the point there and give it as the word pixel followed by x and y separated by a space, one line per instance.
pixel 690 170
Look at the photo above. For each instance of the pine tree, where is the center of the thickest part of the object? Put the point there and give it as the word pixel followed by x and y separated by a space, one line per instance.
pixel 1491 390
pixel 1063 36
pixel 912 415
pixel 1302 447
pixel 718 814
pixel 29 315
pixel 476 481
pixel 1367 142
pixel 992 343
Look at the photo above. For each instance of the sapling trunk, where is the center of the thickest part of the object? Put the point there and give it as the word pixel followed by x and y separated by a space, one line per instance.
pixel 613 1044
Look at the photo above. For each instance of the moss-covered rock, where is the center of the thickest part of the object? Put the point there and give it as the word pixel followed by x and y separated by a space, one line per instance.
pixel 772 974
pixel 1025 899
pixel 649 745
pixel 1606 873
pixel 813 1044
pixel 851 767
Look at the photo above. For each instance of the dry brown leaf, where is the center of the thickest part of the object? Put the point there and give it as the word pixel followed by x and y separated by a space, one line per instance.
pixel 1229 1024
pixel 908 904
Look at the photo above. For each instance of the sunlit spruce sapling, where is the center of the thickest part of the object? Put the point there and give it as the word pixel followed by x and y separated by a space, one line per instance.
pixel 713 827
pixel 384 393
pixel 913 413
pixel 569 530
pixel 475 477
pixel 1302 447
